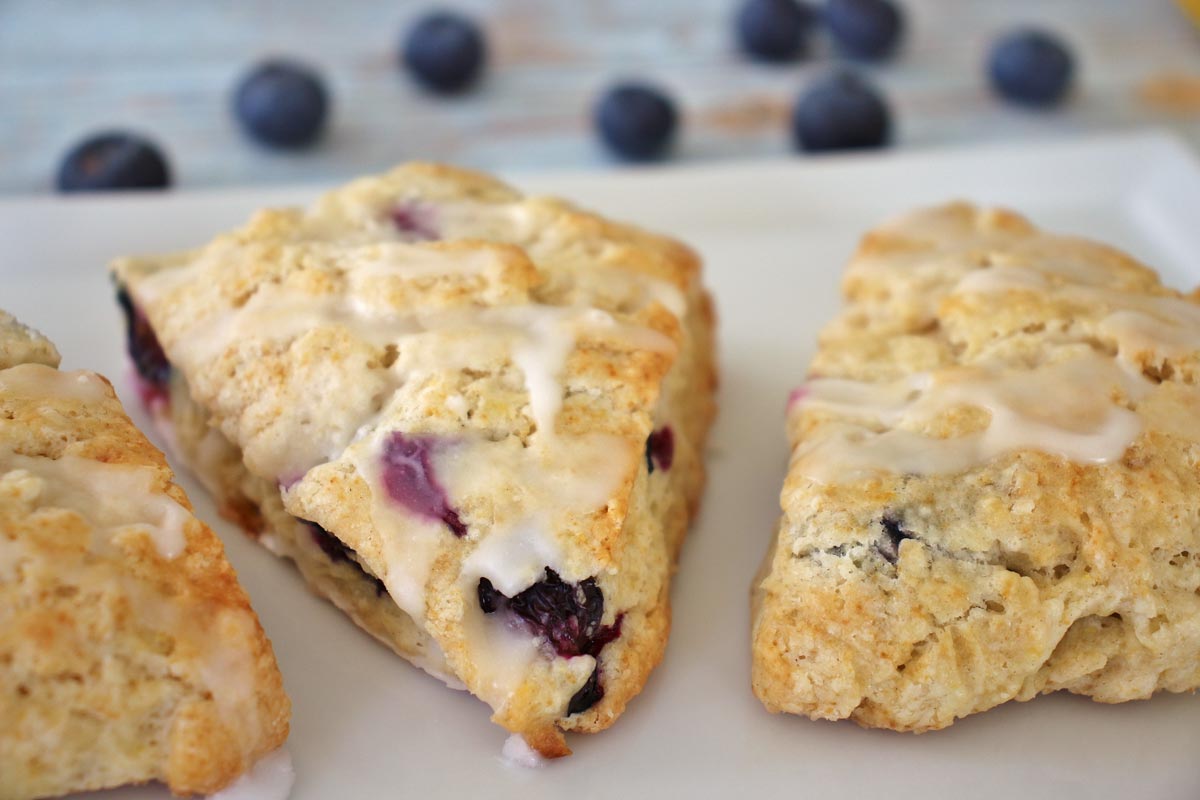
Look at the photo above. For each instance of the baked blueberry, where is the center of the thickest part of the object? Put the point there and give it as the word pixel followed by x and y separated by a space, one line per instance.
pixel 338 553
pixel 444 51
pixel 282 104
pixel 866 29
pixel 840 112
pixel 113 160
pixel 773 30
pixel 415 220
pixel 409 478
pixel 588 695
pixel 1031 67
pixel 894 533
pixel 636 121
pixel 142 344
pixel 660 449
pixel 567 615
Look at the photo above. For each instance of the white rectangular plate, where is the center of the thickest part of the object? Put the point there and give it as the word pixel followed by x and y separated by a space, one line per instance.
pixel 774 236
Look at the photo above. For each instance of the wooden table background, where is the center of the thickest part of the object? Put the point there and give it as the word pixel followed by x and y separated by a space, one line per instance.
pixel 166 67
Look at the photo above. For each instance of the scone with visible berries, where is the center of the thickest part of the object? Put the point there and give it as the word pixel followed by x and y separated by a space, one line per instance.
pixel 473 419
pixel 993 485
pixel 128 651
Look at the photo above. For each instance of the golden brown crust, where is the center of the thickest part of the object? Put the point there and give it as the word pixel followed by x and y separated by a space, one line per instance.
pixel 528 272
pixel 110 648
pixel 908 598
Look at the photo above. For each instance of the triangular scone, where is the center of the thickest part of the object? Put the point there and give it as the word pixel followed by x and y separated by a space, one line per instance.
pixel 128 652
pixel 473 419
pixel 993 485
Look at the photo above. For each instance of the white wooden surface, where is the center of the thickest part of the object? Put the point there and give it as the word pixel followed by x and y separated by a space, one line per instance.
pixel 68 67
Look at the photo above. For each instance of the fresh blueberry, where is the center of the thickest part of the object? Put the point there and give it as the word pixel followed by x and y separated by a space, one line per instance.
pixel 773 30
pixel 410 480
pixel 144 348
pixel 1031 67
pixel 113 160
pixel 338 553
pixel 281 104
pixel 840 112
pixel 444 51
pixel 660 449
pixel 636 121
pixel 893 534
pixel 867 29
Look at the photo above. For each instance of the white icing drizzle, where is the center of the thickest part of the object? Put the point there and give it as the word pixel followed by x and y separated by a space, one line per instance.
pixel 517 753
pixel 1066 409
pixel 271 778
pixel 115 499
pixel 513 558
pixel 1137 322
pixel 40 381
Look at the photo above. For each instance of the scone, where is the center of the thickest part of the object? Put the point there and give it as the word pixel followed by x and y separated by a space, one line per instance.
pixel 994 487
pixel 128 652
pixel 473 419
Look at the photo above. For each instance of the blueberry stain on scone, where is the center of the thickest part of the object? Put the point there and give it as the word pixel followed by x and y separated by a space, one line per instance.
pixel 338 553
pixel 144 349
pixel 416 221
pixel 888 545
pixel 660 449
pixel 568 616
pixel 409 477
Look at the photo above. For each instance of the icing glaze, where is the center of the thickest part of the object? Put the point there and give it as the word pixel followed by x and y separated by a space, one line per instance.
pixel 1084 422
pixel 115 500
pixel 40 381
pixel 517 753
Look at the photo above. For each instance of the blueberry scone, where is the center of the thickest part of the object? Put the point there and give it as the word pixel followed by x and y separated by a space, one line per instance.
pixel 128 651
pixel 994 487
pixel 473 419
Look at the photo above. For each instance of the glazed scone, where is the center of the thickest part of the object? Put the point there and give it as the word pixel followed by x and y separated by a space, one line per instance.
pixel 473 419
pixel 128 651
pixel 993 485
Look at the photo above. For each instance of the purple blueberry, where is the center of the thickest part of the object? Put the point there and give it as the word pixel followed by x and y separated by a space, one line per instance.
pixel 636 121
pixel 866 29
pixel 567 616
pixel 660 449
pixel 444 51
pixel 409 478
pixel 282 104
pixel 774 30
pixel 588 695
pixel 888 546
pixel 113 160
pixel 1031 67
pixel 144 349
pixel 840 112
pixel 337 552
pixel 415 220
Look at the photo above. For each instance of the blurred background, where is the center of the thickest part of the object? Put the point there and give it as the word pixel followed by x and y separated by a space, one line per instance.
pixel 168 69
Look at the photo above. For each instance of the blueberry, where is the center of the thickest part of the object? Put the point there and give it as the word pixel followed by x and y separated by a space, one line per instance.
pixel 588 695
pixel 840 112
pixel 1031 67
pixel 567 615
pixel 113 160
pixel 660 449
pixel 637 121
pixel 893 534
pixel 773 30
pixel 867 29
pixel 444 52
pixel 410 480
pixel 337 552
pixel 144 348
pixel 281 104
pixel 415 220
